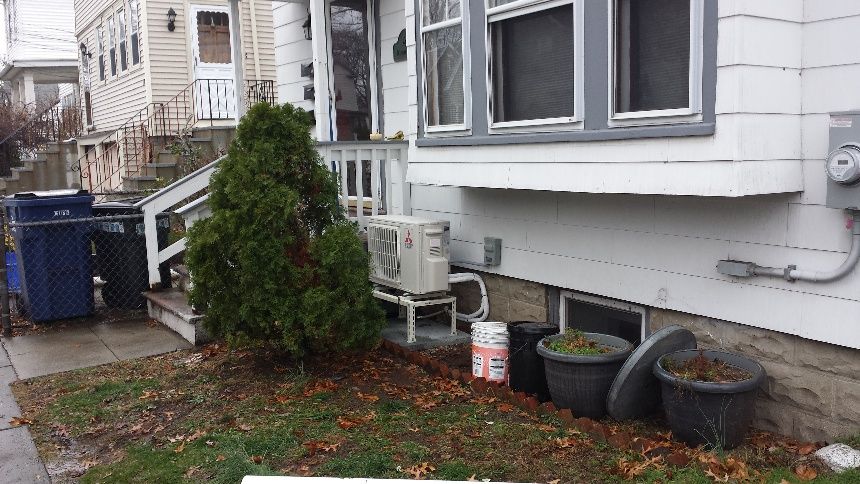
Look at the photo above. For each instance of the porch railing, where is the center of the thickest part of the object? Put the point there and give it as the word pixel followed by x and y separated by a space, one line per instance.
pixel 126 151
pixel 53 124
pixel 380 168
pixel 259 90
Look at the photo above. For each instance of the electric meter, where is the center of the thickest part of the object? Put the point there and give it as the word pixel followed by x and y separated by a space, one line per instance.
pixel 843 164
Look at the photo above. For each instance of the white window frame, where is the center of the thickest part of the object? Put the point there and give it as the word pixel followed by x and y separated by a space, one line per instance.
pixel 463 22
pixel 122 39
pixel 564 296
pixel 101 60
pixel 113 66
pixel 690 114
pixel 524 7
pixel 134 31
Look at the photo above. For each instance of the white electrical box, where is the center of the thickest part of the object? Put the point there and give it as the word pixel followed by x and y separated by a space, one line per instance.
pixel 409 253
pixel 843 161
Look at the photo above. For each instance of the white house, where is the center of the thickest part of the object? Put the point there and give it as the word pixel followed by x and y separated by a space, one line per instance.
pixel 40 48
pixel 620 149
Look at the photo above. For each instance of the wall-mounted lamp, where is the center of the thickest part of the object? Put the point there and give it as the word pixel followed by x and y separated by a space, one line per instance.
pixel 83 49
pixel 171 19
pixel 307 27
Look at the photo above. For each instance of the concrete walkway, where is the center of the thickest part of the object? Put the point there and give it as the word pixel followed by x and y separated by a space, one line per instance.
pixel 59 350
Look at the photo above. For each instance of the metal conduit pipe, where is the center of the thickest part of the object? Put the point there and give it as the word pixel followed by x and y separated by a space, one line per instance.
pixel 792 273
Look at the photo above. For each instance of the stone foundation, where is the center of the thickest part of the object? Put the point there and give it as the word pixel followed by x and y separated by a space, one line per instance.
pixel 510 299
pixel 812 390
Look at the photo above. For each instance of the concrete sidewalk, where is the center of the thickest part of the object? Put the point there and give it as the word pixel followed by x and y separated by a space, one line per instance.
pixel 58 350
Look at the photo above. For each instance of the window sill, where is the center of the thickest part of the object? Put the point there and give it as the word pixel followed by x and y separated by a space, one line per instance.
pixel 605 134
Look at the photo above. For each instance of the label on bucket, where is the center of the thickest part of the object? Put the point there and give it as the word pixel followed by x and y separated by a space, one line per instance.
pixel 497 369
pixel 477 364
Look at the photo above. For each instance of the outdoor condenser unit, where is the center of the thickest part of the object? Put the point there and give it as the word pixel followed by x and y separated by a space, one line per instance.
pixel 409 253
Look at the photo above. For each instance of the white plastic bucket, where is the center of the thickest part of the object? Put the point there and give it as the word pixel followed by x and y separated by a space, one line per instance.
pixel 490 343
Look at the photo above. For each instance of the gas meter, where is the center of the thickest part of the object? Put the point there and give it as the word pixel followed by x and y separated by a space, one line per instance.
pixel 843 161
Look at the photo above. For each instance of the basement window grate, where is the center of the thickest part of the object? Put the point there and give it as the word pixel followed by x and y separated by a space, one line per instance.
pixel 593 314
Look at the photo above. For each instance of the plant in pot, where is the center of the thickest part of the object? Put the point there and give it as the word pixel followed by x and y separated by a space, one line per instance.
pixel 580 368
pixel 708 395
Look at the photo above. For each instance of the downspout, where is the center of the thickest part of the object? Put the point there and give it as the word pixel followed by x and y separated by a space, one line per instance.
pixel 791 273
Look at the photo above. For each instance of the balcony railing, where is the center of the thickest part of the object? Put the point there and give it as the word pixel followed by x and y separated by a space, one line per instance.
pixel 258 91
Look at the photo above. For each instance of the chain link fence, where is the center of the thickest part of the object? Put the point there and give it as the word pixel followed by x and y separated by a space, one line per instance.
pixel 68 268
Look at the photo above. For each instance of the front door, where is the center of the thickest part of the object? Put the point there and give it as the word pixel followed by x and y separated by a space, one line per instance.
pixel 214 90
pixel 352 69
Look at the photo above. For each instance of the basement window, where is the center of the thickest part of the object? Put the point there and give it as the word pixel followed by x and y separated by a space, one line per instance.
pixel 593 314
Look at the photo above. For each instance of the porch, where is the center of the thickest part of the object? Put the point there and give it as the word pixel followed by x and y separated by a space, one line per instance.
pixel 379 166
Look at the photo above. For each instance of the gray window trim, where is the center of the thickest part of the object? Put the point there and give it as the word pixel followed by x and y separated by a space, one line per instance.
pixel 596 82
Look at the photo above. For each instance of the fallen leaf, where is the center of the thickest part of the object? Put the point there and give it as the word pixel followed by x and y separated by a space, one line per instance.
pixel 18 421
pixel 472 478
pixel 220 458
pixel 245 427
pixel 257 459
pixel 805 473
pixel 191 470
pixel 282 399
pixel 505 407
pixel 196 435
pixel 148 394
pixel 367 398
pixel 210 443
pixel 347 423
pixel 420 470
pixel 806 449
pixel 180 448
pixel 554 481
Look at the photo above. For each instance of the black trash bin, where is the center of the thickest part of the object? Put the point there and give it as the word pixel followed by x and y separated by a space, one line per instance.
pixel 526 372
pixel 120 246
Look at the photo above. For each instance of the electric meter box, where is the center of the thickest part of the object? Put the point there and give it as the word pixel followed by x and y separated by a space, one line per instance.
pixel 842 164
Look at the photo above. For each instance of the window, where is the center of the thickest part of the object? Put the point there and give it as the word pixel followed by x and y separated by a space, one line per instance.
pixel 100 40
pixel 532 60
pixel 134 26
pixel 656 56
pixel 213 36
pixel 602 315
pixel 111 32
pixel 123 54
pixel 445 92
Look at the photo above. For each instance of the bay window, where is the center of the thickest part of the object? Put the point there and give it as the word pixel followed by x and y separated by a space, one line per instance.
pixel 532 59
pixel 656 58
pixel 446 99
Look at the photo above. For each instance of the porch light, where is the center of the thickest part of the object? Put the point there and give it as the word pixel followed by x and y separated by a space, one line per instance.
pixel 307 27
pixel 83 49
pixel 171 19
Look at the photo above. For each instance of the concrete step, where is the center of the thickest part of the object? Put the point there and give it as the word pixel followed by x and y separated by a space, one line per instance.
pixel 139 182
pixel 170 307
pixel 165 171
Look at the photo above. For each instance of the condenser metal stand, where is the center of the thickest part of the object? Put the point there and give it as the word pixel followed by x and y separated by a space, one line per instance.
pixel 413 301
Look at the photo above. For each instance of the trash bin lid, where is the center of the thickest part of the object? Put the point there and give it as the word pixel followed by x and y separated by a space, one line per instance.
pixel 67 192
pixel 531 328
pixel 636 391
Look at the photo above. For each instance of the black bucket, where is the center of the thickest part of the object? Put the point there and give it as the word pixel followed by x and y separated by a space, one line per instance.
pixel 526 368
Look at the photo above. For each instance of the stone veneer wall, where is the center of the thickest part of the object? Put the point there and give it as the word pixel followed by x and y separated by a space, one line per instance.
pixel 510 299
pixel 812 390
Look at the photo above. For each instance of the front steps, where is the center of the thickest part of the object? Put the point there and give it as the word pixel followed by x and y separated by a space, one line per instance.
pixel 48 170
pixel 170 308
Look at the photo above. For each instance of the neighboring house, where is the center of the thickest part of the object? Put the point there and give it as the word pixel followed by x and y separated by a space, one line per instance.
pixel 619 149
pixel 155 68
pixel 41 51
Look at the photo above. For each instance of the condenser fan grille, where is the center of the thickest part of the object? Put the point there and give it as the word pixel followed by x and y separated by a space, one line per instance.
pixel 384 245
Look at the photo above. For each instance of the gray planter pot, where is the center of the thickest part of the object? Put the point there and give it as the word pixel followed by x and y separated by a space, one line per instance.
pixel 581 382
pixel 714 414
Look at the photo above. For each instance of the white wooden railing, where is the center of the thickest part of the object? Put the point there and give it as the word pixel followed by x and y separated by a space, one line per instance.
pixel 385 161
pixel 389 193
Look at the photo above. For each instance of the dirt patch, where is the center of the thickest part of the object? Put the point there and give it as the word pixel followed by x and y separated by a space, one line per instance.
pixel 457 356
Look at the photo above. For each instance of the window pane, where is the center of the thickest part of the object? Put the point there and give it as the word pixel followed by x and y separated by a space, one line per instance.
pixel 351 65
pixel 532 66
pixel 498 3
pixel 213 35
pixel 440 10
pixel 444 65
pixel 652 55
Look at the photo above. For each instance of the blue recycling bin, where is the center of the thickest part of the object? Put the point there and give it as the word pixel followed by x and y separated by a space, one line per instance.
pixel 53 249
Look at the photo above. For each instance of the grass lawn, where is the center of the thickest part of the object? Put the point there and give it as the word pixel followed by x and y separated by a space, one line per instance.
pixel 215 415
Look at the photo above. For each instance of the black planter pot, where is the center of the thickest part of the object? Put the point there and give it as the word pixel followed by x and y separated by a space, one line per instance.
pixel 713 414
pixel 581 382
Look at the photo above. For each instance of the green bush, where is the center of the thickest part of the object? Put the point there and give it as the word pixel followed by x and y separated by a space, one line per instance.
pixel 277 261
